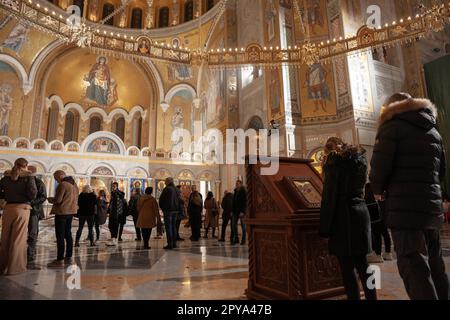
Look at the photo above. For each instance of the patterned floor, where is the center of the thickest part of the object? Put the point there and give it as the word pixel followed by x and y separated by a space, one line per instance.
pixel 207 270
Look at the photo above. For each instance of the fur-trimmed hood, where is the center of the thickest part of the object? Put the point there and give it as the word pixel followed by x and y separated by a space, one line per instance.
pixel 424 107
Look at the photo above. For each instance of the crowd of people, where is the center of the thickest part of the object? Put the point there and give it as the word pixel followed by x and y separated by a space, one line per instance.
pixel 25 193
pixel 401 201
pixel 404 194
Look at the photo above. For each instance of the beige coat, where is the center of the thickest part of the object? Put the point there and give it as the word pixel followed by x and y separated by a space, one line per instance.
pixel 211 220
pixel 65 201
pixel 148 209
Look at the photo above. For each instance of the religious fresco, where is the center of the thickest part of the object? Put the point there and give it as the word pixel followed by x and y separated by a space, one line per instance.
pixel 6 104
pixel 10 94
pixel 178 72
pixel 270 18
pixel 314 17
pixel 101 88
pixel 360 83
pixel 140 184
pixel 274 90
pixel 103 145
pixel 96 81
pixel 16 38
pixel 318 94
pixel 214 100
pixel 351 15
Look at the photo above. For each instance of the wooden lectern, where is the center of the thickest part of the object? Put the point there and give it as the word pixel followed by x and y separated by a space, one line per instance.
pixel 287 258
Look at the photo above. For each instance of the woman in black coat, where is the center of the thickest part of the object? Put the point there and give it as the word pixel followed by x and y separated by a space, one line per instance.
pixel 87 209
pixel 344 217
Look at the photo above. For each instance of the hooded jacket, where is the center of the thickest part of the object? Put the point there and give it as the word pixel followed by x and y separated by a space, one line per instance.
pixel 65 201
pixel 408 164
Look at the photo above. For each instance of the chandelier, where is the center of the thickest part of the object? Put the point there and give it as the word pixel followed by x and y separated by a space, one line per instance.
pixel 129 44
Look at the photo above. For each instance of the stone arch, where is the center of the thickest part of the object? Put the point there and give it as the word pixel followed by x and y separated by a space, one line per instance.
pixel 103 134
pixel 145 171
pixel 42 141
pixel 21 139
pixel 98 165
pixel 60 166
pixel 5 165
pixel 177 88
pixel 162 173
pixel 41 168
pixel 188 172
pixel 19 69
pixel 206 175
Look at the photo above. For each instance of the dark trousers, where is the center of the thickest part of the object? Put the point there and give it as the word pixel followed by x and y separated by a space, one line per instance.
pixel 234 229
pixel 33 233
pixel 170 222
pixel 178 227
pixel 146 233
pixel 97 230
pixel 225 221
pixel 195 220
pixel 81 222
pixel 380 232
pixel 64 241
pixel 420 264
pixel 138 231
pixel 348 266
pixel 113 225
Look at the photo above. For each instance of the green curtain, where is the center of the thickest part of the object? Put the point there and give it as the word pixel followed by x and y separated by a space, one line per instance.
pixel 437 75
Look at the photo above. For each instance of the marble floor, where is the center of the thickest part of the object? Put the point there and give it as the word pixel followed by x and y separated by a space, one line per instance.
pixel 207 270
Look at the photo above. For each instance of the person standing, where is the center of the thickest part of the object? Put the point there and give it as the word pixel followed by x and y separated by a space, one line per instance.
pixel 117 211
pixel 408 165
pixel 102 212
pixel 132 206
pixel 87 210
pixel 344 216
pixel 195 209
pixel 227 207
pixel 148 215
pixel 169 202
pixel 65 206
pixel 239 211
pixel 212 215
pixel 18 188
pixel 36 214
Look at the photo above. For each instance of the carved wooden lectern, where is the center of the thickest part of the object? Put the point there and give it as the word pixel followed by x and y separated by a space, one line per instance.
pixel 287 258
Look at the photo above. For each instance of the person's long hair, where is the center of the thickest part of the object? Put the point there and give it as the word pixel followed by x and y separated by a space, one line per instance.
pixel 19 165
pixel 210 195
pixel 337 145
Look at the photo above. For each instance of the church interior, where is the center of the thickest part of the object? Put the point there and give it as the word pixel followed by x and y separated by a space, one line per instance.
pixel 102 100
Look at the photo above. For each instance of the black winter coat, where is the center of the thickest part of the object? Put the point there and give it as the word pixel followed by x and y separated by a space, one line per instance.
pixel 169 201
pixel 227 204
pixel 344 217
pixel 408 164
pixel 41 197
pixel 118 207
pixel 87 204
pixel 240 200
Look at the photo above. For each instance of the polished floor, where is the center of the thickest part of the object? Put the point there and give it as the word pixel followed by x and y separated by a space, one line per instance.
pixel 207 270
